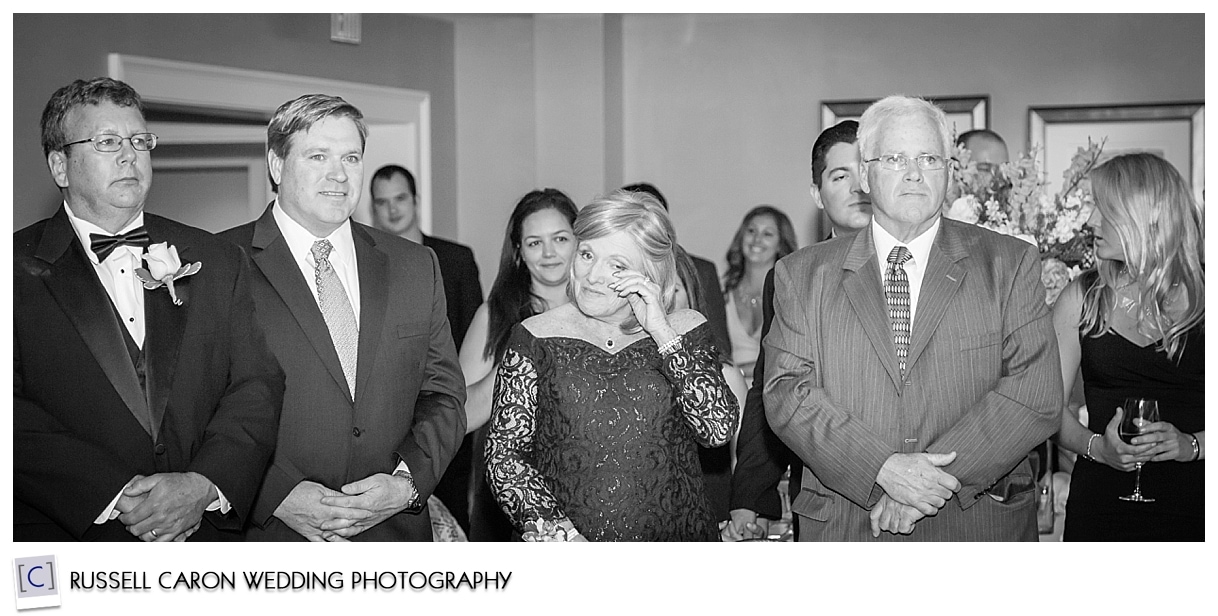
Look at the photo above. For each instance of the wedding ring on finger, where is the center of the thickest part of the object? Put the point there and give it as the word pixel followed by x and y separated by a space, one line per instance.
pixel 153 533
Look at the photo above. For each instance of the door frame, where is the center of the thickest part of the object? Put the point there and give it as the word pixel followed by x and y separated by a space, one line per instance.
pixel 208 86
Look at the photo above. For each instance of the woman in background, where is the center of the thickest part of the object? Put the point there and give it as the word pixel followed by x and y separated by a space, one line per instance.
pixel 533 267
pixel 765 236
pixel 1135 327
pixel 599 403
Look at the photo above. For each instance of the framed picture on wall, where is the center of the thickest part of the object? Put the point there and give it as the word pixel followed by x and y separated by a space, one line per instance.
pixel 1175 131
pixel 964 113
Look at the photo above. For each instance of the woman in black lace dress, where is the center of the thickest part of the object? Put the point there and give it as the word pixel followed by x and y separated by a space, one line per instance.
pixel 1135 328
pixel 599 403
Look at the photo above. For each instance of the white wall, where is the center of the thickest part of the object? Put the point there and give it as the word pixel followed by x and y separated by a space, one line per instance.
pixel 720 111
pixel 496 137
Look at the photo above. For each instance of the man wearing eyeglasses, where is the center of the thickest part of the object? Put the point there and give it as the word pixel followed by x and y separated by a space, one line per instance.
pixel 912 366
pixel 138 413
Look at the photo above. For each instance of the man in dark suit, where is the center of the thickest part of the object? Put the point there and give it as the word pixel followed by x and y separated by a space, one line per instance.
pixel 912 366
pixel 146 413
pixel 373 408
pixel 395 209
pixel 761 458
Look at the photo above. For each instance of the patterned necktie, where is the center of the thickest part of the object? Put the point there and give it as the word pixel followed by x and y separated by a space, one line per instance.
pixel 896 291
pixel 103 245
pixel 336 310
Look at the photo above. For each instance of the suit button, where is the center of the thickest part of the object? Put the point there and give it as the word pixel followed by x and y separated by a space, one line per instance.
pixel 160 449
pixel 355 432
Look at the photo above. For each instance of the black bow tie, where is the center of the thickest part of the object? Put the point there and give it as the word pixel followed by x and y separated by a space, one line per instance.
pixel 103 245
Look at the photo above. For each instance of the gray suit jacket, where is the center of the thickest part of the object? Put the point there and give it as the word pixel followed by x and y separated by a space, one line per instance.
pixel 983 380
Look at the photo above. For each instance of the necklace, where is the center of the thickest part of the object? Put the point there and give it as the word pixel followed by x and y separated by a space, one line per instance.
pixel 750 299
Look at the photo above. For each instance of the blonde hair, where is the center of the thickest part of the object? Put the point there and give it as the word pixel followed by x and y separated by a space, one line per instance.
pixel 1160 228
pixel 642 218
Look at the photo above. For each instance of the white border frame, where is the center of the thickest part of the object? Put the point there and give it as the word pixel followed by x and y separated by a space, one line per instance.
pixel 221 87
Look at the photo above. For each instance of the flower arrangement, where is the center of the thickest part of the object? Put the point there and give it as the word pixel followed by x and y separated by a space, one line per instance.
pixel 1012 199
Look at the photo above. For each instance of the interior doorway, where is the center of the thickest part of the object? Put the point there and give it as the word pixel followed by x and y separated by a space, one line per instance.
pixel 210 164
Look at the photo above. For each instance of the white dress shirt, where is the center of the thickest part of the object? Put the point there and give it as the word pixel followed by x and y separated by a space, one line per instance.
pixel 915 268
pixel 126 292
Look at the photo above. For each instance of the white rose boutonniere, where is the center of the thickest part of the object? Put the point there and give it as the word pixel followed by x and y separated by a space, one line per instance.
pixel 164 267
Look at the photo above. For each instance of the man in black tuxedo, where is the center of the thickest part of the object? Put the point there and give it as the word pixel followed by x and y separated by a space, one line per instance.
pixel 761 458
pixel 138 413
pixel 395 209
pixel 373 411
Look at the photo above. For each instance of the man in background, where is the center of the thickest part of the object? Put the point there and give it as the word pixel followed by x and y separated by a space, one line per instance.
pixel 761 458
pixel 986 146
pixel 373 411
pixel 395 209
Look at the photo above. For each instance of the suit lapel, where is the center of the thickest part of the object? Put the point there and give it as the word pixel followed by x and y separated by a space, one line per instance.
pixel 274 259
pixel 75 286
pixel 164 324
pixel 944 275
pixel 373 269
pixel 861 283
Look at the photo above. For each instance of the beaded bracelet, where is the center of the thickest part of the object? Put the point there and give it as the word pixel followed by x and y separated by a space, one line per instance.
pixel 1088 454
pixel 671 346
pixel 1196 448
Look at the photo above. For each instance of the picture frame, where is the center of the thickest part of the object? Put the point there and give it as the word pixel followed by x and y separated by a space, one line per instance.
pixel 1175 131
pixel 964 113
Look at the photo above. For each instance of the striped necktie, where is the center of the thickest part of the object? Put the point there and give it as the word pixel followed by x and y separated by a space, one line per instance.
pixel 896 292
pixel 336 310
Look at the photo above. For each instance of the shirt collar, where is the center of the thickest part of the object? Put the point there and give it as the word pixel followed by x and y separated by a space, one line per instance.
pixel 83 228
pixel 300 240
pixel 919 247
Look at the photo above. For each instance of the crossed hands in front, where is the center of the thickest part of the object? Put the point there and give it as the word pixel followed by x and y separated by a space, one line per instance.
pixel 321 514
pixel 165 506
pixel 915 486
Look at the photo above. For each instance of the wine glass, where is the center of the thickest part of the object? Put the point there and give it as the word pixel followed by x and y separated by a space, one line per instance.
pixel 1138 412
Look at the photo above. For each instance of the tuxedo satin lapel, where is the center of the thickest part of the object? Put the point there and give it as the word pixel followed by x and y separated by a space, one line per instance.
pixel 861 283
pixel 944 275
pixel 373 269
pixel 74 284
pixel 164 323
pixel 274 259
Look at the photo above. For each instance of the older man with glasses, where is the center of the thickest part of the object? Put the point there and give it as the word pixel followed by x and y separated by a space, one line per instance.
pixel 146 401
pixel 912 366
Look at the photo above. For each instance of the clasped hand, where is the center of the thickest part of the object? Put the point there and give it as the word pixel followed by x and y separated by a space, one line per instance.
pixel 1159 441
pixel 321 514
pixel 165 506
pixel 916 479
pixel 744 524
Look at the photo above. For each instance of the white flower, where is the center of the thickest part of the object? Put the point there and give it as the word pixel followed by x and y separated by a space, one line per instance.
pixel 964 209
pixel 162 260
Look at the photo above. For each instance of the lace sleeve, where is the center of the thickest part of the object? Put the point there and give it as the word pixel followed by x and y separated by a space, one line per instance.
pixel 706 402
pixel 517 485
